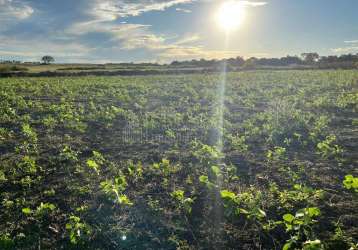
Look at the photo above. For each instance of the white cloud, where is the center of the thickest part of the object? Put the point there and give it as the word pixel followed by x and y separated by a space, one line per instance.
pixel 136 36
pixel 104 12
pixel 167 50
pixel 147 41
pixel 183 10
pixel 104 27
pixel 194 52
pixel 351 41
pixel 139 37
pixel 128 36
pixel 10 9
pixel 109 10
pixel 113 9
pixel 253 4
pixel 188 39
pixel 351 49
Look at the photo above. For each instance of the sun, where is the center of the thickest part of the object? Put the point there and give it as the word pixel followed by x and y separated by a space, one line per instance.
pixel 230 15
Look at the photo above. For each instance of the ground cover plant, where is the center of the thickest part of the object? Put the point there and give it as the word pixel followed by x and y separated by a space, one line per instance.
pixel 164 162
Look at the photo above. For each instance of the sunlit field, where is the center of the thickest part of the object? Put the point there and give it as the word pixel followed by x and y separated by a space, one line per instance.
pixel 170 162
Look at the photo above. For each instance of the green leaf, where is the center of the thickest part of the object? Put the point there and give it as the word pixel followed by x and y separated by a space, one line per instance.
pixel 289 227
pixel 349 177
pixel 92 164
pixel 287 246
pixel 2 176
pixel 225 194
pixel 313 211
pixel 288 218
pixel 26 210
pixel 351 182
pixel 178 195
pixel 123 199
pixel 203 179
pixel 216 170
pixel 262 212
pixel 241 211
pixel 312 245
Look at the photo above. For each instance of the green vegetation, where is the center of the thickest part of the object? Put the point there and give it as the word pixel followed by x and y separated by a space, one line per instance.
pixel 133 162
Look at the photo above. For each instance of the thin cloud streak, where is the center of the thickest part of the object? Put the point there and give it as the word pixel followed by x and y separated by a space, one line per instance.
pixel 253 4
pixel 14 9
pixel 183 10
pixel 351 49
pixel 351 41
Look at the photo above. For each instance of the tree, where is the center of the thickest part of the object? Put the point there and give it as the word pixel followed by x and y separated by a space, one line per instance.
pixel 291 60
pixel 250 63
pixel 310 58
pixel 47 59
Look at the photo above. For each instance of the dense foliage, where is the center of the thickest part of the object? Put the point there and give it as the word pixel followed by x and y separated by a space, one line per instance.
pixel 310 60
pixel 137 162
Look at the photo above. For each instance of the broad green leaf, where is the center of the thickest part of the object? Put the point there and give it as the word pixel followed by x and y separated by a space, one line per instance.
pixel 203 179
pixel 26 210
pixel 225 194
pixel 287 246
pixel 351 182
pixel 288 218
pixel 178 194
pixel 313 211
pixel 92 164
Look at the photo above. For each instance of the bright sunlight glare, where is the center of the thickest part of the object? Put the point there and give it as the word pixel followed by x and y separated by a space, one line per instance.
pixel 230 15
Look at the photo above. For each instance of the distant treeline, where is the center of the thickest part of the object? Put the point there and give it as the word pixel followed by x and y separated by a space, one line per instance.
pixel 306 60
pixel 309 60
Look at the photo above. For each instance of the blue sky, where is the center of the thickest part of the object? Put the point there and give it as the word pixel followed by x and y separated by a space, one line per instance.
pixel 165 30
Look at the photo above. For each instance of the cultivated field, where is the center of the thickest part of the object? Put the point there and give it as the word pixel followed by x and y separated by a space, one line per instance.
pixel 164 162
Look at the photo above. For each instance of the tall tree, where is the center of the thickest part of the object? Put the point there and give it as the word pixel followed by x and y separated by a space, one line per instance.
pixel 47 59
pixel 310 58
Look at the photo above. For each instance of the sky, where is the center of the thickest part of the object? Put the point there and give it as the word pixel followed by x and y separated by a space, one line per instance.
pixel 102 31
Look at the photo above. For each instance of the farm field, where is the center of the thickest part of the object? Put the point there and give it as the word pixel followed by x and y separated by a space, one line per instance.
pixel 38 68
pixel 253 160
